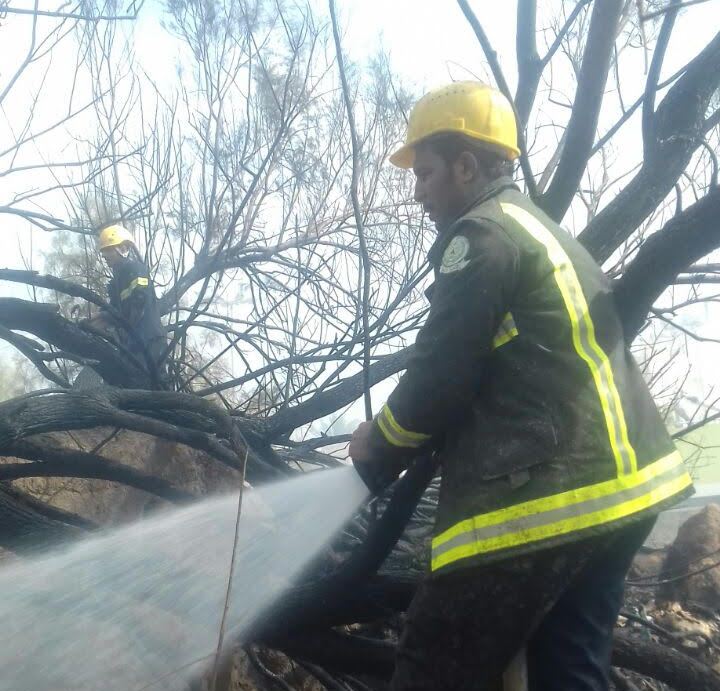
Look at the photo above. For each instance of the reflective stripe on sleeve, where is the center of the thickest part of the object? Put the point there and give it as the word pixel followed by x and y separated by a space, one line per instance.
pixel 396 434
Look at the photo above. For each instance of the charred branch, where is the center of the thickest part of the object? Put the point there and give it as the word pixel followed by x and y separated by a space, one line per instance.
pixel 114 364
pixel 530 66
pixel 34 278
pixel 664 664
pixel 344 393
pixel 648 111
pixel 29 525
pixel 349 654
pixel 683 240
pixel 32 351
pixel 177 417
pixel 344 653
pixel 139 411
pixel 499 76
pixel 679 128
pixel 582 126
pixel 49 460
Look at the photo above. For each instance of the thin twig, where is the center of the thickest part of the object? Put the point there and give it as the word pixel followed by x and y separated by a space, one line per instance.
pixel 70 15
pixel 649 583
pixel 231 573
pixel 29 57
pixel 364 256
pixel 494 62
pixel 648 624
pixel 664 10
pixel 691 428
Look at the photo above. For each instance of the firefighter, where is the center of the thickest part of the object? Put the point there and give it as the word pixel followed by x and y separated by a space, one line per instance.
pixel 132 295
pixel 555 460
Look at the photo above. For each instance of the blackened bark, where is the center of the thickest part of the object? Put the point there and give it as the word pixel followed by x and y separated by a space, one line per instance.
pixel 343 394
pixel 530 66
pixel 25 529
pixel 683 240
pixel 664 664
pixel 582 126
pixel 679 127
pixel 56 461
pixel 114 364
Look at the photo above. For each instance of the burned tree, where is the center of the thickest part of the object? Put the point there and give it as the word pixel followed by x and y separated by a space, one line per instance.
pixel 286 297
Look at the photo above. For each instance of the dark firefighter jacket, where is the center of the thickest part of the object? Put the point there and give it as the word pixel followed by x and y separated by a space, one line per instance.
pixel 521 379
pixel 131 293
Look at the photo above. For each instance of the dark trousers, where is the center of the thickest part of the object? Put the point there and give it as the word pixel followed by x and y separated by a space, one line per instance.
pixel 463 629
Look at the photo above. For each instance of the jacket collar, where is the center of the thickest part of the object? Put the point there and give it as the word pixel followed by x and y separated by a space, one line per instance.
pixel 445 235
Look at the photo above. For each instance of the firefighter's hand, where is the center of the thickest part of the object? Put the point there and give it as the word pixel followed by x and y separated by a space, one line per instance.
pixel 374 470
pixel 360 449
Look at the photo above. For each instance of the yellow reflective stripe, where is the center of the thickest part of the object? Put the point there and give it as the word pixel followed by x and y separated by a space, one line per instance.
pixel 506 332
pixel 395 433
pixel 415 436
pixel 555 501
pixel 583 335
pixel 139 282
pixel 617 512
pixel 578 509
pixel 388 433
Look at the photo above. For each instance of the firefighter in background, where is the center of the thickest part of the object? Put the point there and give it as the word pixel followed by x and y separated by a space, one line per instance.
pixel 131 293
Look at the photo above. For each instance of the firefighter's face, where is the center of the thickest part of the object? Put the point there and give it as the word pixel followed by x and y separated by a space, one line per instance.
pixel 111 255
pixel 441 187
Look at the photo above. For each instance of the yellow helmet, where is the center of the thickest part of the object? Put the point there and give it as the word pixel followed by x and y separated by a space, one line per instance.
pixel 112 236
pixel 473 109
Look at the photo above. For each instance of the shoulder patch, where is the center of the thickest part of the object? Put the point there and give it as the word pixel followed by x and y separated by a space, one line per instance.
pixel 455 255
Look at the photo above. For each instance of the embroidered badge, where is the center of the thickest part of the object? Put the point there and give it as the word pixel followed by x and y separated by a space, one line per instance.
pixel 454 258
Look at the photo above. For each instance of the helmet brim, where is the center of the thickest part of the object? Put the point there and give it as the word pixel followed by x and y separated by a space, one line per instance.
pixel 111 244
pixel 404 157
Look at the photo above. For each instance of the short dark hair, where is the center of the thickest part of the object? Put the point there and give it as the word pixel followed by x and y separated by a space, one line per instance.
pixel 450 145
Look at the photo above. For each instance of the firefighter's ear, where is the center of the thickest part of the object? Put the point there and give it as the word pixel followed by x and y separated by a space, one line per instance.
pixel 466 167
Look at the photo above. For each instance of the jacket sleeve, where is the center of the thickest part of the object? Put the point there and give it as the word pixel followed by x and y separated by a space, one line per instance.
pixel 471 298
